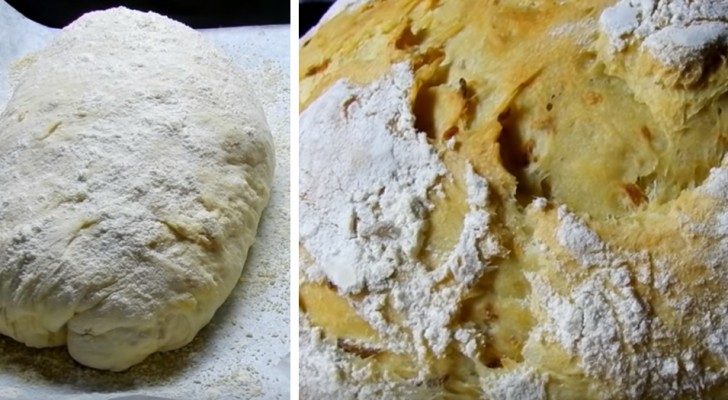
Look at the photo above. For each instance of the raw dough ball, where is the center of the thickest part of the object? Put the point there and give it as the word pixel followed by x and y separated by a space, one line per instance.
pixel 515 199
pixel 135 165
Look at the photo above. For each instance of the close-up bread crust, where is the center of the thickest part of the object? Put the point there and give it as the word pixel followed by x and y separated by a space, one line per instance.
pixel 515 200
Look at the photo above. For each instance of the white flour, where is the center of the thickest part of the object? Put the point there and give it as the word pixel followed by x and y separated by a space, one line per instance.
pixel 716 185
pixel 365 179
pixel 475 246
pixel 467 338
pixel 713 328
pixel 676 32
pixel 325 368
pixel 601 318
pixel 519 384
pixel 576 237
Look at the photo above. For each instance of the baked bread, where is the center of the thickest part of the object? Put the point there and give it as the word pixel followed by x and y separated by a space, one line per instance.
pixel 515 200
pixel 136 163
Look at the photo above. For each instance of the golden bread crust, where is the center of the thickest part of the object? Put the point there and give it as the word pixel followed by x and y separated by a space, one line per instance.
pixel 604 275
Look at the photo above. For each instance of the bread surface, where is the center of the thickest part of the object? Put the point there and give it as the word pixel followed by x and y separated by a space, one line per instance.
pixel 135 164
pixel 598 268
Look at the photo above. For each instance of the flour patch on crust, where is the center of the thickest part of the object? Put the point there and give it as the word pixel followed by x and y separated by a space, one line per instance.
pixel 676 32
pixel 366 178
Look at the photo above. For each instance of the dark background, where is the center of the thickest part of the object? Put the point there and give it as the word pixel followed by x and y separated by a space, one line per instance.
pixel 310 12
pixel 195 13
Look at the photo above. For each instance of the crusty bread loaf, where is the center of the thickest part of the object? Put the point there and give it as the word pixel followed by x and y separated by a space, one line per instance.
pixel 515 200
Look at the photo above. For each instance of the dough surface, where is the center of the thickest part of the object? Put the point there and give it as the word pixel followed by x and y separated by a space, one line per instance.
pixel 136 165
pixel 515 200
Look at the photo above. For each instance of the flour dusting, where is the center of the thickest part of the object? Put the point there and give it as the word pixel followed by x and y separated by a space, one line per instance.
pixel 366 178
pixel 676 32
pixel 103 162
pixel 366 216
pixel 522 384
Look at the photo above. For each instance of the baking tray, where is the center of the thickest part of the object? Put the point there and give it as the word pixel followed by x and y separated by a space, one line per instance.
pixel 244 352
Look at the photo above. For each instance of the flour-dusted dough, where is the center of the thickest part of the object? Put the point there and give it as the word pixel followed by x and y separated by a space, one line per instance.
pixel 135 164
pixel 515 200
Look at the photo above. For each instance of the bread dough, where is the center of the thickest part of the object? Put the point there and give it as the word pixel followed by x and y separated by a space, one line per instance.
pixel 515 200
pixel 136 165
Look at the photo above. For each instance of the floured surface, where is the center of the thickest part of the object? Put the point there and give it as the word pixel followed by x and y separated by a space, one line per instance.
pixel 606 196
pixel 243 353
pixel 366 220
pixel 675 31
